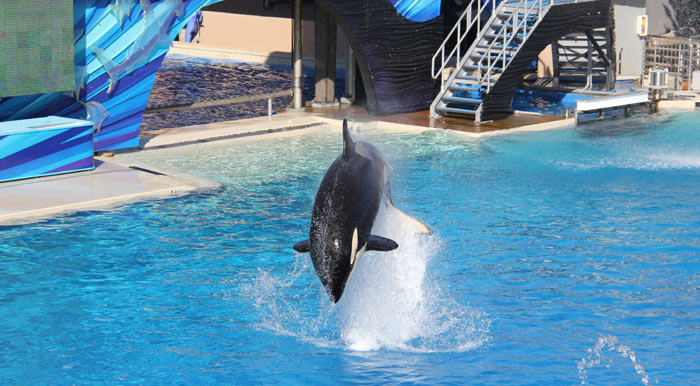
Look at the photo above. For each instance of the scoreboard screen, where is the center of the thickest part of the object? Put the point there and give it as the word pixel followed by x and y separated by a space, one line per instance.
pixel 36 46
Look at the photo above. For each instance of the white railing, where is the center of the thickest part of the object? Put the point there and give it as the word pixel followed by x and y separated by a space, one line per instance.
pixel 468 18
pixel 516 24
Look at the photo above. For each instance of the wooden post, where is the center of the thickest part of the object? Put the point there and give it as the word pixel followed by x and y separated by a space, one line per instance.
pixel 555 64
pixel 611 75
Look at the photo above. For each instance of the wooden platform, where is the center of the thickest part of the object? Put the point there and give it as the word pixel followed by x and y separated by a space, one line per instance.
pixel 422 118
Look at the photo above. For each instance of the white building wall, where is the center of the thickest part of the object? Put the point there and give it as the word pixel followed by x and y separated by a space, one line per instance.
pixel 629 45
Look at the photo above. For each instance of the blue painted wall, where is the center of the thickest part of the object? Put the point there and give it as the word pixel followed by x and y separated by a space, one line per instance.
pixel 418 10
pixel 44 146
pixel 114 30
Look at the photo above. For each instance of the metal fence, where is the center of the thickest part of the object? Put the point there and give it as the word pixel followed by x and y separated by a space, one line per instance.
pixel 681 56
pixel 224 102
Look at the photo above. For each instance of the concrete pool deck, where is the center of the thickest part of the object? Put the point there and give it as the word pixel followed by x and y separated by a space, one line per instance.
pixel 311 117
pixel 109 185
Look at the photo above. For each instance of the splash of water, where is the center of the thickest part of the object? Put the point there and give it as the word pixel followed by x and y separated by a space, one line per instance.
pixel 391 302
pixel 595 357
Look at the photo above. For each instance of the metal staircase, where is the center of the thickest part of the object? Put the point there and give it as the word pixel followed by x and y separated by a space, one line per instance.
pixel 500 29
pixel 582 60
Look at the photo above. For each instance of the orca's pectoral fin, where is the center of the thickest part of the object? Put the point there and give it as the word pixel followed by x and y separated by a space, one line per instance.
pixel 302 246
pixel 379 243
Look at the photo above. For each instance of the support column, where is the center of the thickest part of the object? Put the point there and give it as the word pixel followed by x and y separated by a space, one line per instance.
pixel 555 64
pixel 297 102
pixel 349 96
pixel 325 52
pixel 589 70
pixel 611 75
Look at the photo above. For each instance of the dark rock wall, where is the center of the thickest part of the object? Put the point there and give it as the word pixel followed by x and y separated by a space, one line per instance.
pixel 393 53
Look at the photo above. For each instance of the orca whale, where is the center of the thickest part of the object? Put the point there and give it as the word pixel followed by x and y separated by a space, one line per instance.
pixel 345 208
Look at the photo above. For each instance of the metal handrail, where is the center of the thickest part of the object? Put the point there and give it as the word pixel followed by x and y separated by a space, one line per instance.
pixel 462 32
pixel 680 55
pixel 515 23
pixel 518 24
pixel 220 102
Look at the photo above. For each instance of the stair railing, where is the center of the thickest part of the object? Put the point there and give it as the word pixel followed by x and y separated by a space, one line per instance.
pixel 469 18
pixel 516 24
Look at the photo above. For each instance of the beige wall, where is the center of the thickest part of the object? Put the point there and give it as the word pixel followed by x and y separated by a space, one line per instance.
pixel 257 34
pixel 544 63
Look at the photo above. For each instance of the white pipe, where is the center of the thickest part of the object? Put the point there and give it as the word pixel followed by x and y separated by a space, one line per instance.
pixel 296 53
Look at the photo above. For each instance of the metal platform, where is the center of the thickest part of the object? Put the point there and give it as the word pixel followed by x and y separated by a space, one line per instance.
pixel 601 104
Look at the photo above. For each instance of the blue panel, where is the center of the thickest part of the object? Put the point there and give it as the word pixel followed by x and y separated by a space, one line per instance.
pixel 418 10
pixel 15 143
pixel 45 124
pixel 43 146
pixel 40 166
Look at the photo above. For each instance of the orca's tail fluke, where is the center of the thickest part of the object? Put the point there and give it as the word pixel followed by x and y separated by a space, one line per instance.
pixel 348 143
pixel 419 226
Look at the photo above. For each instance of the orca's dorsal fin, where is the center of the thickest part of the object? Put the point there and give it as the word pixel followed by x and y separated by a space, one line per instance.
pixel 348 143
pixel 302 246
pixel 379 243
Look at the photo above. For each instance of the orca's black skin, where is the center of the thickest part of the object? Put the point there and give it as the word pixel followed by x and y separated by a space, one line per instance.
pixel 344 211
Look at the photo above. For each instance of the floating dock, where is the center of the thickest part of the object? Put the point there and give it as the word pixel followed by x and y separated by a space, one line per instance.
pixel 601 104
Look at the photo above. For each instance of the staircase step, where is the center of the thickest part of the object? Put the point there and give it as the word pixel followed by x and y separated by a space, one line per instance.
pixel 479 52
pixel 530 22
pixel 583 69
pixel 495 48
pixel 475 67
pixel 491 36
pixel 506 13
pixel 581 76
pixel 462 87
pixel 473 78
pixel 462 100
pixel 575 40
pixel 456 110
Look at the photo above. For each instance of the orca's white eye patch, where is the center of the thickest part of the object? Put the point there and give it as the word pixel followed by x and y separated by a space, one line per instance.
pixel 353 246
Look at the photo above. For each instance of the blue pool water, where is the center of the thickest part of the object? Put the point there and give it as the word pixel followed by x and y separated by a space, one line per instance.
pixel 565 257
pixel 548 103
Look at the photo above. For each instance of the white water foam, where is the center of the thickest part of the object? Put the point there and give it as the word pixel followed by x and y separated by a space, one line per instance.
pixel 391 302
pixel 641 159
pixel 595 356
pixel 628 155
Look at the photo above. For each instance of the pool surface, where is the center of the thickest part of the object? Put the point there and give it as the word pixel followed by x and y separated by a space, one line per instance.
pixel 566 257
